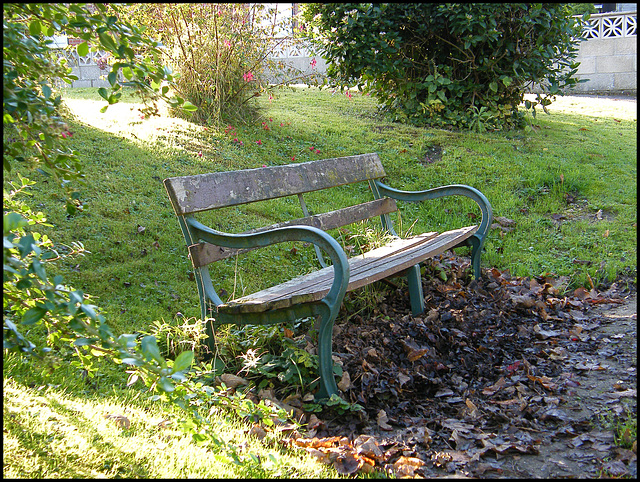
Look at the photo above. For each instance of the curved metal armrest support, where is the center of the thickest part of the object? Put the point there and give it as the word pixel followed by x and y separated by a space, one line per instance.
pixel 451 190
pixel 279 235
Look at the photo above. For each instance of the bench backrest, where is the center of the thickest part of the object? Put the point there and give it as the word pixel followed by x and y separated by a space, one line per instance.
pixel 193 194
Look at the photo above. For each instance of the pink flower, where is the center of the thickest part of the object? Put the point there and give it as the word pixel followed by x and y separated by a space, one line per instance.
pixel 270 119
pixel 348 94
pixel 293 158
pixel 199 154
pixel 259 142
pixel 313 63
pixel 227 43
pixel 317 151
pixel 235 139
pixel 281 124
pixel 248 76
pixel 264 165
pixel 311 148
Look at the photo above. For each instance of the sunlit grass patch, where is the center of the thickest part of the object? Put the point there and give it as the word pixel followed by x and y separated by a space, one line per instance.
pixel 50 433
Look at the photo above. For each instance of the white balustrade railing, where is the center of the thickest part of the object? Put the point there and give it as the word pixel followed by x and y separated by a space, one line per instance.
pixel 92 58
pixel 611 25
pixel 289 47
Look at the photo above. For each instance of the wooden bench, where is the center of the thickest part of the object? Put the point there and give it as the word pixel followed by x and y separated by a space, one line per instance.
pixel 320 293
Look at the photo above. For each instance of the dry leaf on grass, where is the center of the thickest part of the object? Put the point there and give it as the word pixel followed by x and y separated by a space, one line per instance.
pixel 120 420
pixel 232 381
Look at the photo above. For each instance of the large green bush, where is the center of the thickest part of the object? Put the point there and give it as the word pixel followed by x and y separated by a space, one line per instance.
pixel 465 65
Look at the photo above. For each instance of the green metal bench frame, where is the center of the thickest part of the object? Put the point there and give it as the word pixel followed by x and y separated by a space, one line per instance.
pixel 319 294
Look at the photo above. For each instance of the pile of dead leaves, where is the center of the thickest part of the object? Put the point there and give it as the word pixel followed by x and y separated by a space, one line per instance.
pixel 483 372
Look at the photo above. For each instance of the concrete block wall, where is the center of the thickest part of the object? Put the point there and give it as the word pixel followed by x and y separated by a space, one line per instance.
pixel 609 64
pixel 89 76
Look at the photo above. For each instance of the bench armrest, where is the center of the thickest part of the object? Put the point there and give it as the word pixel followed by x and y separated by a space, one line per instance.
pixel 280 235
pixel 451 190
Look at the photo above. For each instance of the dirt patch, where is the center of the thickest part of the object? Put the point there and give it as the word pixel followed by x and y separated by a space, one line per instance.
pixel 381 128
pixel 501 377
pixel 432 154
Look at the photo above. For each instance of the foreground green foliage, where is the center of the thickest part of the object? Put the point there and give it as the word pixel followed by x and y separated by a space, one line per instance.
pixel 45 321
pixel 465 65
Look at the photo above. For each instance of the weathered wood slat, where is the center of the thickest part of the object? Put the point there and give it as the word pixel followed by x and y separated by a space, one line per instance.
pixel 204 253
pixel 191 194
pixel 372 266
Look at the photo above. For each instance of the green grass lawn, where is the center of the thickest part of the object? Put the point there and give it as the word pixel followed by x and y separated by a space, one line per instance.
pixel 569 184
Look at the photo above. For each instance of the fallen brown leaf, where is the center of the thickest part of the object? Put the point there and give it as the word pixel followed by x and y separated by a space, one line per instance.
pixel 120 420
pixel 347 464
pixel 495 387
pixel 382 421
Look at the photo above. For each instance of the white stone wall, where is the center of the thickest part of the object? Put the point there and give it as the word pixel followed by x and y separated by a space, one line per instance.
pixel 609 64
pixel 609 55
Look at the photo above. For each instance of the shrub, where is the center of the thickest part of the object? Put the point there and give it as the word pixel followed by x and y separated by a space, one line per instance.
pixel 464 65
pixel 221 53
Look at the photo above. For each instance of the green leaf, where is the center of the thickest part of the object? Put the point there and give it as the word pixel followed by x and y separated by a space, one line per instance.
pixel 26 245
pixel 38 268
pixel 82 49
pixel 103 93
pixel 82 342
pixel 35 28
pixel 46 91
pixel 132 361
pixel 33 315
pixel 200 438
pixel 183 361
pixel 71 208
pixel 165 384
pixel 493 86
pixel 189 107
pixel 89 311
pixel 107 41
pixel 13 221
pixel 112 77
pixel 149 347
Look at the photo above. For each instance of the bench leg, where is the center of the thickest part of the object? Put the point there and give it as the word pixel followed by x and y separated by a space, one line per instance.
pixel 476 249
pixel 415 290
pixel 328 385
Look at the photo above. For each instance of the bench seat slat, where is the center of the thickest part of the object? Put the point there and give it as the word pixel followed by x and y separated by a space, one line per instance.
pixel 372 266
pixel 191 194
pixel 204 253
